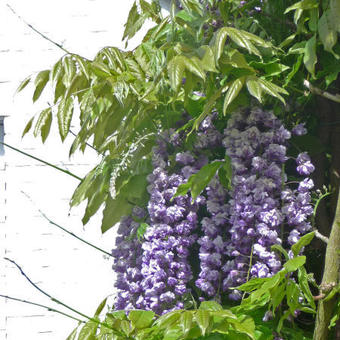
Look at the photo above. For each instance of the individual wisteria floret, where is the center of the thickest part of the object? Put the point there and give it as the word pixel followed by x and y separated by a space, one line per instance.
pixel 127 261
pixel 261 203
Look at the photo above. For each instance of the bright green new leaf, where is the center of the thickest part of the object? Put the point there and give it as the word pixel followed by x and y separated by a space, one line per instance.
pixel 202 318
pixel 210 305
pixel 272 89
pixel 100 308
pixel 310 58
pixel 254 88
pixel 277 296
pixel 40 83
pixel 186 322
pixel 303 5
pixel 279 248
pixel 207 58
pixel 197 182
pixel 134 22
pixel 252 284
pixel 232 92
pixel 64 115
pixel 88 331
pixel 141 230
pixel 176 68
pixel 73 334
pixel 302 242
pixel 295 263
pixel 327 30
pixel 141 318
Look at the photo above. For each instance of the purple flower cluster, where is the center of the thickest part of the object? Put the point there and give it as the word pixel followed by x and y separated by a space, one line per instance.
pixel 165 268
pixel 127 262
pixel 261 202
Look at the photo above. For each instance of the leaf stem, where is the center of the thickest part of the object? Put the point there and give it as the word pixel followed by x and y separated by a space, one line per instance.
pixel 42 161
pixel 42 306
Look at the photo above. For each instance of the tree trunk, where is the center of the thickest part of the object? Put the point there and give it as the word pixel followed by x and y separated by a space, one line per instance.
pixel 330 277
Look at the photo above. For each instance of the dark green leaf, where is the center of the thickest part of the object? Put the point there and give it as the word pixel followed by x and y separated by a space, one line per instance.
pixel 327 31
pixel 40 83
pixel 232 92
pixel 295 263
pixel 64 115
pixel 335 12
pixel 197 182
pixel 303 241
pixel 310 57
pixel 141 318
pixel 294 70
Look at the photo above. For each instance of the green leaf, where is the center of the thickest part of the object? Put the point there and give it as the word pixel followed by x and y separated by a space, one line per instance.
pixel 134 22
pixel 302 242
pixel 277 295
pixel 294 70
pixel 202 318
pixel 28 127
pixel 113 211
pixel 272 89
pixel 186 322
pixel 327 31
pixel 100 308
pixel 232 92
pixel 126 327
pixel 141 231
pixel 141 318
pixel 64 115
pixel 23 84
pixel 197 182
pixel 293 294
pixel 207 59
pixel 43 124
pixel 176 68
pixel 254 88
pixel 305 4
pixel 252 284
pixel 304 286
pixel 167 320
pixel 310 57
pixel 88 331
pixel 210 305
pixel 40 83
pixel 295 263
pixel 73 334
pixel 335 12
pixel 279 248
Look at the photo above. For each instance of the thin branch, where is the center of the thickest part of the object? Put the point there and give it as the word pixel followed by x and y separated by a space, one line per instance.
pixel 38 32
pixel 65 230
pixel 42 161
pixel 60 302
pixel 319 92
pixel 42 306
pixel 88 144
pixel 320 236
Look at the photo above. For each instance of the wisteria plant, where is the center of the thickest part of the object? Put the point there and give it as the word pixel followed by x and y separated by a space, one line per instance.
pixel 217 137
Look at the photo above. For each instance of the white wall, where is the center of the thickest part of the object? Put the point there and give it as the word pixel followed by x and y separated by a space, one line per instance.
pixel 61 265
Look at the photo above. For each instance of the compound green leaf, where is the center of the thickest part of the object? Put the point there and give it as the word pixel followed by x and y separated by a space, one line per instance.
pixel 254 88
pixel 43 124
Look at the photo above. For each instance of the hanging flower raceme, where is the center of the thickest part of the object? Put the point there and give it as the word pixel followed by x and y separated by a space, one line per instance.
pixel 165 268
pixel 127 262
pixel 262 205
